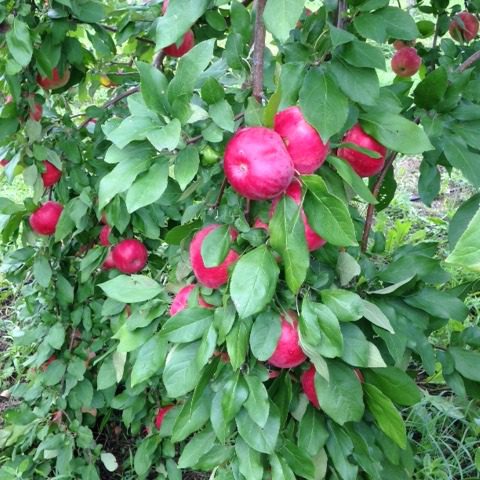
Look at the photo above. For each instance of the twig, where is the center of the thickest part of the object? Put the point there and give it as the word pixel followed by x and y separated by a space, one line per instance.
pixel 158 60
pixel 371 207
pixel 113 101
pixel 246 3
pixel 115 30
pixel 342 6
pixel 220 195
pixel 258 52
pixel 469 62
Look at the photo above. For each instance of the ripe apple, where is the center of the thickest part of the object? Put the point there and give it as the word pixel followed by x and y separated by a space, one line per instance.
pixel 185 46
pixel 303 143
pixel 463 27
pixel 180 301
pixel 51 175
pixel 308 386
pixel 212 277
pixel 406 62
pixel 4 162
pixel 260 224
pixel 294 191
pixel 104 235
pixel 130 256
pixel 44 220
pixel 288 353
pixel 161 415
pixel 257 163
pixel 54 80
pixel 399 44
pixel 364 165
pixel 36 112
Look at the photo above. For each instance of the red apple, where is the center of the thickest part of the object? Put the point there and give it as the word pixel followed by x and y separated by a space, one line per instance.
pixel 257 163
pixel 406 62
pixel 187 44
pixel 164 6
pixel 294 191
pixel 180 301
pixel 303 143
pixel 54 80
pixel 44 220
pixel 8 99
pixel 104 236
pixel 4 162
pixel 288 353
pixel 108 263
pixel 308 386
pixel 36 112
pixel 364 165
pixel 51 175
pixel 161 415
pixel 463 27
pixel 212 277
pixel 399 44
pixel 130 256
pixel 260 224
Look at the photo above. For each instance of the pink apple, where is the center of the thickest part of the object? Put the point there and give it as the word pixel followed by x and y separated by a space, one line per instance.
pixel 463 27
pixel 303 143
pixel 406 62
pixel 130 256
pixel 36 112
pixel 44 220
pixel 294 191
pixel 363 164
pixel 51 175
pixel 180 301
pixel 161 415
pixel 187 44
pixel 288 353
pixel 257 163
pixel 108 263
pixel 211 277
pixel 308 386
pixel 54 81
pixel 104 236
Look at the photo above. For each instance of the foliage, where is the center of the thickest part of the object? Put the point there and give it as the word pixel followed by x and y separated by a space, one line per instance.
pixel 104 353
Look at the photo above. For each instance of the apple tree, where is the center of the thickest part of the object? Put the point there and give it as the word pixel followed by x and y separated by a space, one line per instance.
pixel 198 286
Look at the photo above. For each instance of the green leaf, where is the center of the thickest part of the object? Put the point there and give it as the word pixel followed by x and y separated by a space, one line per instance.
pixel 254 280
pixel 42 271
pixel 260 439
pixel 106 374
pixel 387 417
pixel 132 128
pixel 187 325
pixel 190 66
pixel 291 80
pixel 180 16
pixel 109 461
pixel 394 383
pixel 341 398
pixel 212 91
pixel 347 268
pixel 280 469
pixel 153 87
pixel 222 114
pixel 466 362
pixel 312 432
pixel 339 36
pixel 56 336
pixel 459 156
pixel 298 460
pixel 131 289
pixel 344 169
pixel 19 42
pixel 215 246
pixel 359 84
pixel 257 404
pixel 323 103
pixel 281 16
pixel 121 178
pixel 364 55
pixel 144 455
pixel 460 221
pixel 327 214
pixel 287 237
pixel 198 446
pixel 130 341
pixel 150 359
pixel 374 315
pixel 389 22
pixel 237 343
pixel 235 393
pixel 396 132
pixel 264 336
pixel 167 137
pixel 181 374
pixel 358 351
pixel 438 304
pixel 431 90
pixel 249 460
pixel 148 188
pixel 186 166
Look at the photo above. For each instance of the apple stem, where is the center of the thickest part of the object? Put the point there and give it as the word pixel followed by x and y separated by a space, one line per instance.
pixel 371 208
pixel 469 62
pixel 258 52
